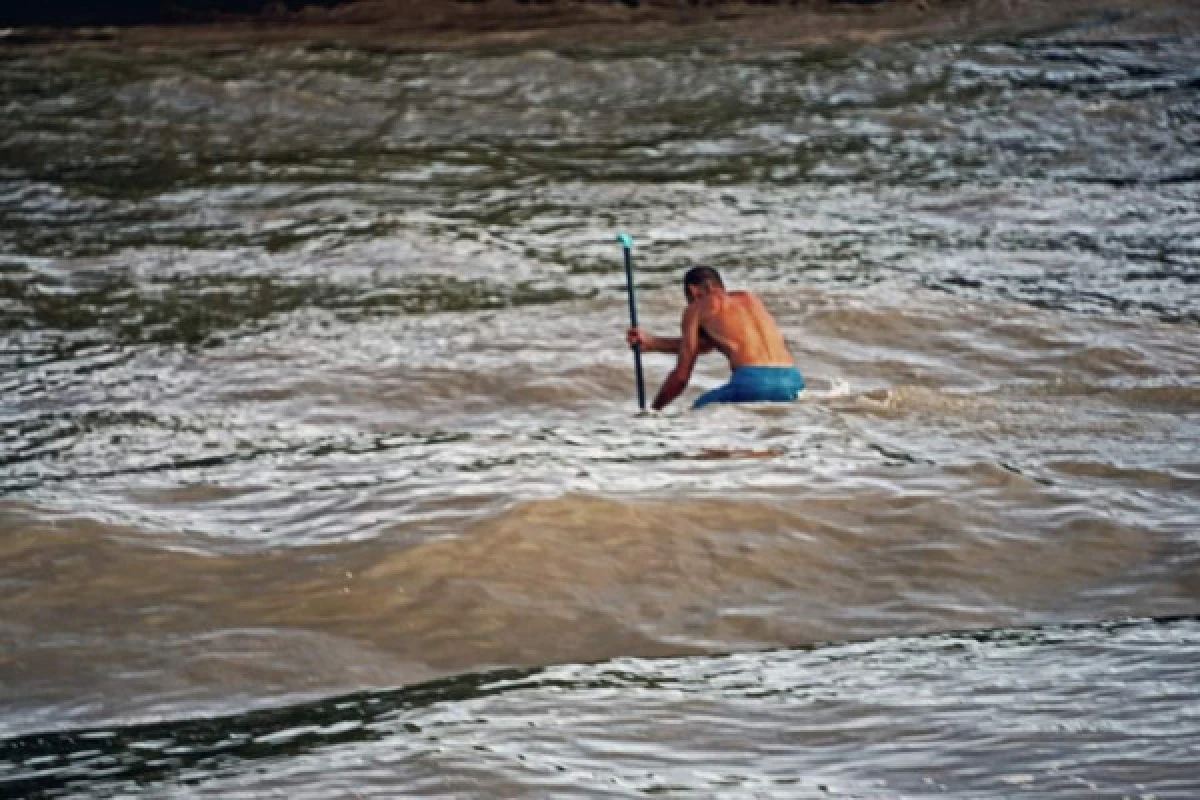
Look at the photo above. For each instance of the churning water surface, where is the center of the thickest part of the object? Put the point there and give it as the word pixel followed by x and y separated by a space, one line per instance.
pixel 313 383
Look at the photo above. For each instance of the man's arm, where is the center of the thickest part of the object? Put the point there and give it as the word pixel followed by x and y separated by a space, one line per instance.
pixel 663 344
pixel 636 337
pixel 689 351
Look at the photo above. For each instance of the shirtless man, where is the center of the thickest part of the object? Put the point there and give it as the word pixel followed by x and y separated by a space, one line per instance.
pixel 737 324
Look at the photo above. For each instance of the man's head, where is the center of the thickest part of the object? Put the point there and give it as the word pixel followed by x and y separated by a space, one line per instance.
pixel 699 281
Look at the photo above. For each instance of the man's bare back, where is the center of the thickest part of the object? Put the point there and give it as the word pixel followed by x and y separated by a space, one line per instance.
pixel 738 325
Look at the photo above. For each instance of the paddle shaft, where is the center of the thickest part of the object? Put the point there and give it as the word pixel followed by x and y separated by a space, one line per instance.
pixel 637 348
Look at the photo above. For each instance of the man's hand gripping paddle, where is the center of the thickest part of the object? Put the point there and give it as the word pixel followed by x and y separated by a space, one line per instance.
pixel 627 246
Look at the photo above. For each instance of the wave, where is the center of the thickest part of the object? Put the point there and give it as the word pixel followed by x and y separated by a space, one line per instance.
pixel 574 578
pixel 836 687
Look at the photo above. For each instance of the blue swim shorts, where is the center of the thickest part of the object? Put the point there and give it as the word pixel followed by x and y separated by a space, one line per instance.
pixel 756 385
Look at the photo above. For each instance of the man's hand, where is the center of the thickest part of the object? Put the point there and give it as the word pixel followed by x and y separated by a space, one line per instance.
pixel 636 337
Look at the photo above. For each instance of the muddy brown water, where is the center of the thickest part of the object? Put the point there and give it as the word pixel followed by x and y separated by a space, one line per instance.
pixel 321 472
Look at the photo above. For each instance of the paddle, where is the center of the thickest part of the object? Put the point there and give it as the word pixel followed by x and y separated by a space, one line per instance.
pixel 627 246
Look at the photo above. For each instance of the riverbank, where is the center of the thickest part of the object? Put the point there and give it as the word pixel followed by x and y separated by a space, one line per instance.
pixel 437 25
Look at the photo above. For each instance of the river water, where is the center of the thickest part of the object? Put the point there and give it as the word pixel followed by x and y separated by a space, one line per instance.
pixel 321 472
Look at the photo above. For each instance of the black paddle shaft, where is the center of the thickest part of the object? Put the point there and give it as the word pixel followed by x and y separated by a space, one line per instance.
pixel 637 348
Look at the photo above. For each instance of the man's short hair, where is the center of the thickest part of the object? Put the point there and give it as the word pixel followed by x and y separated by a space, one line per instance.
pixel 700 276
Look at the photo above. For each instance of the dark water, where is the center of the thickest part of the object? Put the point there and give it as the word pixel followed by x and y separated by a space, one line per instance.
pixel 851 720
pixel 312 382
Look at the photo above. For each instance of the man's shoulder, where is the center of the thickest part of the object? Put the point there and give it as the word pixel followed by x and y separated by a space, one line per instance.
pixel 743 295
